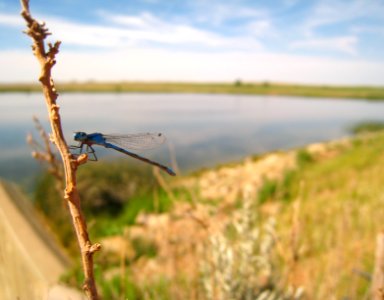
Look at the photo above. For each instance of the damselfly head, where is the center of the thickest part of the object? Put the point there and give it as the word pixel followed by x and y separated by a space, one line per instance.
pixel 80 136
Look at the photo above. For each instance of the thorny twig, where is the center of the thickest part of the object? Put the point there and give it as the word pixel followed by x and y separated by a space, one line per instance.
pixel 38 32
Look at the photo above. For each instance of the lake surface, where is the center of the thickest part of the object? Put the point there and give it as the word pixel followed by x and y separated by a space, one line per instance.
pixel 203 130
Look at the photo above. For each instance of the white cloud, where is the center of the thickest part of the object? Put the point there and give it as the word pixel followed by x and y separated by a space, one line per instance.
pixel 362 29
pixel 11 20
pixel 346 44
pixel 141 21
pixel 143 30
pixel 219 12
pixel 259 28
pixel 166 65
pixel 341 17
pixel 327 12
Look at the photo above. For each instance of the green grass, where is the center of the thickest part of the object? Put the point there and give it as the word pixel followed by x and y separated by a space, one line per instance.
pixel 112 195
pixel 112 288
pixel 365 127
pixel 340 215
pixel 238 87
pixel 109 224
pixel 282 190
pixel 267 191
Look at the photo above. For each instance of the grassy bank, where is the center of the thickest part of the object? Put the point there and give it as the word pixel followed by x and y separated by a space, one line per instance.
pixel 326 201
pixel 238 87
pixel 328 210
pixel 331 216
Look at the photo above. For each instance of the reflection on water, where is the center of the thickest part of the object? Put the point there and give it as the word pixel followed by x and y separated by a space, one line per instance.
pixel 204 129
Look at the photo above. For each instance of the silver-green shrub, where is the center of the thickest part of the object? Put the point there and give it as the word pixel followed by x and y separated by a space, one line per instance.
pixel 239 263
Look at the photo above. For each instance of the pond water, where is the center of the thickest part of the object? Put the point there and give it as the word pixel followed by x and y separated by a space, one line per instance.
pixel 203 130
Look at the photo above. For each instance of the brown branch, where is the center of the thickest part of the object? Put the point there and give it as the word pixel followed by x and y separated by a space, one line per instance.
pixel 38 32
pixel 378 275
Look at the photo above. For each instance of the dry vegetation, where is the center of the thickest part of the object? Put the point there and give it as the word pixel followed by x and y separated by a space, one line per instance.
pixel 238 87
pixel 291 225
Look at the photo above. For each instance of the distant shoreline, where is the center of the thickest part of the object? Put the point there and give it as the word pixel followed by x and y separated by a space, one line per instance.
pixel 238 87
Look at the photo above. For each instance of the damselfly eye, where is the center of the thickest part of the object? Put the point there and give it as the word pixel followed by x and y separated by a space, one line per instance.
pixel 79 136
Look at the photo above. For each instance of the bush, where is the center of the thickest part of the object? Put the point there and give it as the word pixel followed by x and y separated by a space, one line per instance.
pixel 242 266
pixel 267 191
pixel 303 157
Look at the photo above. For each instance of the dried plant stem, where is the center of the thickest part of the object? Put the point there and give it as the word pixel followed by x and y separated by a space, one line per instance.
pixel 38 32
pixel 46 155
pixel 378 276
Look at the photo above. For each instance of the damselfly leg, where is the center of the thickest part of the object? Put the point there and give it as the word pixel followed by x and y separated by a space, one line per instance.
pixel 91 153
pixel 79 149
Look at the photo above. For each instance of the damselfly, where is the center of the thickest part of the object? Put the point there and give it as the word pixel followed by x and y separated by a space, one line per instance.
pixel 119 143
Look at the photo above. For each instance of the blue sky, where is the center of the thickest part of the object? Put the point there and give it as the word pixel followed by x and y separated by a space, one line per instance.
pixel 304 41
